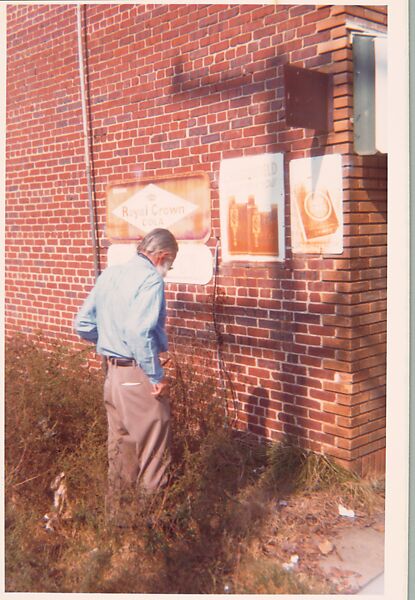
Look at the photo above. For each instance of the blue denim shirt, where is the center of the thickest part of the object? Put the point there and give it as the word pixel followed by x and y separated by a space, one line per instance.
pixel 125 315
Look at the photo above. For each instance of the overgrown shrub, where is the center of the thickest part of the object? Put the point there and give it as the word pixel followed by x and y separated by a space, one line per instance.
pixel 55 420
pixel 194 536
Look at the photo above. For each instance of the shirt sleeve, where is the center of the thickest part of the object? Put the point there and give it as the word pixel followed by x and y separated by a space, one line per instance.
pixel 160 329
pixel 85 323
pixel 141 328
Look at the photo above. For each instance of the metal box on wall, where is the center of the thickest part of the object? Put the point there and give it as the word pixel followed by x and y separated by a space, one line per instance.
pixel 370 112
pixel 308 99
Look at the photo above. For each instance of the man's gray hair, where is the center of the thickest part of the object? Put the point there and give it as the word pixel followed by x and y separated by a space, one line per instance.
pixel 158 240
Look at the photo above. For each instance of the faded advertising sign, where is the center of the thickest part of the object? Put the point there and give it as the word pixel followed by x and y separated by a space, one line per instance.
pixel 193 264
pixel 180 204
pixel 252 208
pixel 316 186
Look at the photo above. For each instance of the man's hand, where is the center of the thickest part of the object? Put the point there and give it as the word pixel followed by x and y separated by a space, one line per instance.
pixel 160 389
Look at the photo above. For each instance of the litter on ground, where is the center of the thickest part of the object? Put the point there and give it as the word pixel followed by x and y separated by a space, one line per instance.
pixel 346 512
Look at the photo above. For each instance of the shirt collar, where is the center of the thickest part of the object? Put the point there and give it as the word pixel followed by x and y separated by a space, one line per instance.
pixel 139 254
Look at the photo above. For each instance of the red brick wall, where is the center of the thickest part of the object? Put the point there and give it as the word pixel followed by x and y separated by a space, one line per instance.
pixel 178 88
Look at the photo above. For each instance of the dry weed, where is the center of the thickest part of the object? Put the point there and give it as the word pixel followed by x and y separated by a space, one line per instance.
pixel 209 531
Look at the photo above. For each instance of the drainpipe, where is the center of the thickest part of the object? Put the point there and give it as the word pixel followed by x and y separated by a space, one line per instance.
pixel 87 144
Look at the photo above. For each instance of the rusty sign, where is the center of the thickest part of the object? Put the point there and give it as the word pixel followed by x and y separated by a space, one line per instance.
pixel 180 204
pixel 316 201
pixel 252 208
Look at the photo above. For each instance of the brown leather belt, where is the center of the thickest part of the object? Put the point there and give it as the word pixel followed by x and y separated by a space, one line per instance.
pixel 122 362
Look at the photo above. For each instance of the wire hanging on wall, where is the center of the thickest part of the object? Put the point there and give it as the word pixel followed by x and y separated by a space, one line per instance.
pixel 223 372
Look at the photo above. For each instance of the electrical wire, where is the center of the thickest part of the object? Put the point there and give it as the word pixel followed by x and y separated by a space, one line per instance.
pixel 223 372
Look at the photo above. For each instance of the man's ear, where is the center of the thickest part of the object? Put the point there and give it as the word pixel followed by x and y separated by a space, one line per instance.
pixel 160 257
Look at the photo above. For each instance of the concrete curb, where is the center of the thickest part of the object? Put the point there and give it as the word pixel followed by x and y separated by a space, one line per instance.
pixel 376 586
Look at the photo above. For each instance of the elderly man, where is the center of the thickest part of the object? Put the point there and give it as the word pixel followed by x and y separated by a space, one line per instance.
pixel 125 316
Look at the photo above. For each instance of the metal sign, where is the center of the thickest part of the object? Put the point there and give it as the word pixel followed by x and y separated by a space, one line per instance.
pixel 252 208
pixel 180 204
pixel 317 205
pixel 193 264
pixel 153 207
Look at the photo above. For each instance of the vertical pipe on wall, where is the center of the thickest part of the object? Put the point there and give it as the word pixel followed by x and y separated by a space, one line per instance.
pixel 223 373
pixel 87 145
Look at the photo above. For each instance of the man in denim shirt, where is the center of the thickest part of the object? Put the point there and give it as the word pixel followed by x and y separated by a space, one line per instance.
pixel 125 316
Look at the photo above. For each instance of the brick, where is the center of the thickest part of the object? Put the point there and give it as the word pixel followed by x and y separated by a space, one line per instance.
pixel 309 332
pixel 330 23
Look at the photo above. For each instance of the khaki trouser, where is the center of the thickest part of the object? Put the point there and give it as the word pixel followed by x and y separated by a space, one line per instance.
pixel 138 434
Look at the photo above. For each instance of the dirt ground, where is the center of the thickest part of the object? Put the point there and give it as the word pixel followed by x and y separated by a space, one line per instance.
pixel 309 538
pixel 239 517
